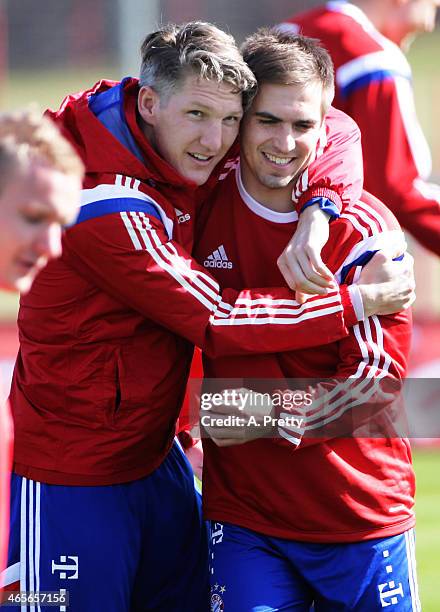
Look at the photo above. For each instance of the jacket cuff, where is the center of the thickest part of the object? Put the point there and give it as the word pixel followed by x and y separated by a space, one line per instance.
pixel 325 205
pixel 320 192
pixel 356 300
pixel 186 439
pixel 350 316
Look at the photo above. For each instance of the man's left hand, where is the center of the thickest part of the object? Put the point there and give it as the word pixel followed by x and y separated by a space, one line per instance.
pixel 251 418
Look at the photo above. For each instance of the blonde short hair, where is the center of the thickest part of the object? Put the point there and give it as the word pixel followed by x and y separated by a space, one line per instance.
pixel 26 136
pixel 196 47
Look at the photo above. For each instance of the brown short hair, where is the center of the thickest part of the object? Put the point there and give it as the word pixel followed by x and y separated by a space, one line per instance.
pixel 281 58
pixel 173 52
pixel 26 136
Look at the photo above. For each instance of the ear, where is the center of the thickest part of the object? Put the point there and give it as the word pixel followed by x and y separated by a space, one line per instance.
pixel 148 104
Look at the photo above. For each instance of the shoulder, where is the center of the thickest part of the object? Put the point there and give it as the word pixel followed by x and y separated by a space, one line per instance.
pixel 344 37
pixel 336 121
pixel 358 50
pixel 107 194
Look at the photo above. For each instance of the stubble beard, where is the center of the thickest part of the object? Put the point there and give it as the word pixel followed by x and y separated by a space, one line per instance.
pixel 276 182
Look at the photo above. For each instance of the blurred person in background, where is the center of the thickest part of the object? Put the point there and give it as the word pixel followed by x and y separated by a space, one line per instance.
pixel 366 39
pixel 40 183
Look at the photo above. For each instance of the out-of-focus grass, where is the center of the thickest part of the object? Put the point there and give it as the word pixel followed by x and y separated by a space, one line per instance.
pixel 48 87
pixel 8 305
pixel 424 57
pixel 427 467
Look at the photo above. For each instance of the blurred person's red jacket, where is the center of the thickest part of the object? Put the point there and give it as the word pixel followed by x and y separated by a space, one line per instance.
pixel 6 439
pixel 374 86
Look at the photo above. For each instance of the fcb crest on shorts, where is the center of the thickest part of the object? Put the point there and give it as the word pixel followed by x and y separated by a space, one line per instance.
pixel 217 604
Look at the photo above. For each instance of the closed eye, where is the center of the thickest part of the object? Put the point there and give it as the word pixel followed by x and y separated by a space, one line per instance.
pixel 34 218
pixel 304 125
pixel 268 121
pixel 267 118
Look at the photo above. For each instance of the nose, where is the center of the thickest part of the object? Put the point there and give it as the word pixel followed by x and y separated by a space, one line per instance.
pixel 48 243
pixel 212 137
pixel 285 139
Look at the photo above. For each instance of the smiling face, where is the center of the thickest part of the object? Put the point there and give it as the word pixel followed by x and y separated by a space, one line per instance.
pixel 194 128
pixel 279 136
pixel 33 203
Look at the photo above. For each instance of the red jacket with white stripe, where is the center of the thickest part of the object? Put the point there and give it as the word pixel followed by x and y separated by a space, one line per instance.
pixel 373 85
pixel 6 440
pixel 106 332
pixel 329 488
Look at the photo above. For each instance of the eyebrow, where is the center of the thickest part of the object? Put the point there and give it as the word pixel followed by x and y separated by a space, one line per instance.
pixel 203 106
pixel 266 115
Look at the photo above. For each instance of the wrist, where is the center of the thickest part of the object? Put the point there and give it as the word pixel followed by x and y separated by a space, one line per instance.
pixel 315 211
pixel 369 299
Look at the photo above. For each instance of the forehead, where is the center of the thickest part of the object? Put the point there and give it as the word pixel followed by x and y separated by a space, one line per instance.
pixel 49 191
pixel 204 92
pixel 286 100
pixel 426 2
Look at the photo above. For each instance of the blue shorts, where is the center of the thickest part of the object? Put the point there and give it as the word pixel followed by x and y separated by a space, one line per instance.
pixel 251 572
pixel 133 547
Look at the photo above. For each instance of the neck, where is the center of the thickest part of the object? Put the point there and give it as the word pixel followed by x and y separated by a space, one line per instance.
pixel 381 16
pixel 147 130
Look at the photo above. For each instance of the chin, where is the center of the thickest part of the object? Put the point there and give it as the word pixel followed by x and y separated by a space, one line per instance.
pixel 276 182
pixel 199 178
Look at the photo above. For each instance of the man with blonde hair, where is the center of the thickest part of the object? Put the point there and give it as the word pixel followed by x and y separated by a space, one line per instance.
pixel 40 182
pixel 40 179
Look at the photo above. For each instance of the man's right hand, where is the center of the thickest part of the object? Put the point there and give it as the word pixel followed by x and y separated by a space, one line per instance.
pixel 387 286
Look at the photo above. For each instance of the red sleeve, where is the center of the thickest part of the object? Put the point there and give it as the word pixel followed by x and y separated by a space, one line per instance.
pixel 187 420
pixel 396 156
pixel 365 388
pixel 129 256
pixel 337 171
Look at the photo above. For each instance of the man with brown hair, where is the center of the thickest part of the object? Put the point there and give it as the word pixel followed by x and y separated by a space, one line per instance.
pixel 319 511
pixel 40 183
